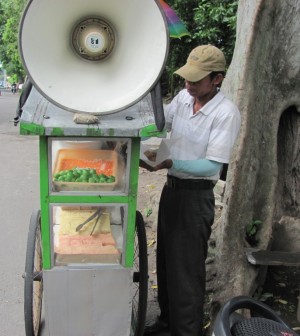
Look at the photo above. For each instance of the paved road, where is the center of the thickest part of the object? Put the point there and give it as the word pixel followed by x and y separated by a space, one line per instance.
pixel 19 196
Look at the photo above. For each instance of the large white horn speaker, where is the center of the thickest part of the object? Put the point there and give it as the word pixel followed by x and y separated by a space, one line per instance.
pixel 95 56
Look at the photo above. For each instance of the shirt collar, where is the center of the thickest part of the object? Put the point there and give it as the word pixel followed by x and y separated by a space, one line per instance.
pixel 189 100
pixel 209 106
pixel 212 104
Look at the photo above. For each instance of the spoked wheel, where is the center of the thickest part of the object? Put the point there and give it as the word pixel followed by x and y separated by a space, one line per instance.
pixel 140 278
pixel 33 276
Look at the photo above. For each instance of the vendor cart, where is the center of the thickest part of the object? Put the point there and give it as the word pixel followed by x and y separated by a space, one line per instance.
pixel 86 263
pixel 94 70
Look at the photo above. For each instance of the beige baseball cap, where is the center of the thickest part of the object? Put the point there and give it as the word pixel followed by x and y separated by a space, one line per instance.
pixel 201 62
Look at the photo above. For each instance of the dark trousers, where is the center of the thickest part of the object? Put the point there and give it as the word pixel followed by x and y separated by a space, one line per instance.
pixel 184 226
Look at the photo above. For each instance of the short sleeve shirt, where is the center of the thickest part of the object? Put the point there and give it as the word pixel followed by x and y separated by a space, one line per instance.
pixel 210 133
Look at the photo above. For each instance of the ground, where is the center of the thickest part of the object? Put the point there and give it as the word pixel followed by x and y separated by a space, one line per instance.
pixel 280 290
pixel 150 185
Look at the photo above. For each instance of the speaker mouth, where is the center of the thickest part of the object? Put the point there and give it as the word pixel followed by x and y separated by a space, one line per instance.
pixel 96 56
pixel 93 39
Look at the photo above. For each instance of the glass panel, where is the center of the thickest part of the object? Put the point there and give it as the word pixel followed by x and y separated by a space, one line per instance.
pixel 89 165
pixel 88 234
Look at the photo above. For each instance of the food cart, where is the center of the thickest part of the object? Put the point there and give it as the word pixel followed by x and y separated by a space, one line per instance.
pixel 95 68
pixel 86 262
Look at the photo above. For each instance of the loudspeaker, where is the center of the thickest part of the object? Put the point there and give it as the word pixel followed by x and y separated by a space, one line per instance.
pixel 93 56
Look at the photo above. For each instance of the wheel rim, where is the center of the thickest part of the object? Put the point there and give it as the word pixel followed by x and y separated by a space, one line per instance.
pixel 140 279
pixel 33 284
pixel 37 297
pixel 135 286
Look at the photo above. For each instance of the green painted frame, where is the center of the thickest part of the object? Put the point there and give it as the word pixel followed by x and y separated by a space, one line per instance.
pixel 46 200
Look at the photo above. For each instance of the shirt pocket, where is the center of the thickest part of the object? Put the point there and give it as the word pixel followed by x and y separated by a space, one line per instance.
pixel 197 134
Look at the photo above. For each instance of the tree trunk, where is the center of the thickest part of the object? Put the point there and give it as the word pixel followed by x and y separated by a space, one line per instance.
pixel 263 181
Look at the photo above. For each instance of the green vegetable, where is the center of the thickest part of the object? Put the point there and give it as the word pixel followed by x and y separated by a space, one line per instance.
pixel 110 179
pixel 86 175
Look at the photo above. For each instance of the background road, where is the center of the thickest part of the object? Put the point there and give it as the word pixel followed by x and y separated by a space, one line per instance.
pixel 19 196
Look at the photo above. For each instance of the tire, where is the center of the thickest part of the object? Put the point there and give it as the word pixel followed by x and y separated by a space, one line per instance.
pixel 33 276
pixel 140 279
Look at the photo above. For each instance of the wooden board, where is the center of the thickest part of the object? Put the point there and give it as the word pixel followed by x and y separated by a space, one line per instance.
pixel 273 258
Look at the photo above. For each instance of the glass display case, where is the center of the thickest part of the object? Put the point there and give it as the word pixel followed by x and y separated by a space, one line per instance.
pixel 88 233
pixel 83 234
pixel 89 165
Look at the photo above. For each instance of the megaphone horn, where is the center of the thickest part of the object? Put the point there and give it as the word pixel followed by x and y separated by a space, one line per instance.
pixel 93 56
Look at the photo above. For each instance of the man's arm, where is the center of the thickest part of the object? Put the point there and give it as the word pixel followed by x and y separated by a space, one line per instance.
pixel 202 167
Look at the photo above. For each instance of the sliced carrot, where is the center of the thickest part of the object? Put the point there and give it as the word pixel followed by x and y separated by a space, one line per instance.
pixel 101 166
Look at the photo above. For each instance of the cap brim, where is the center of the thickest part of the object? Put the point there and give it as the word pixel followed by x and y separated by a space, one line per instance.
pixel 191 74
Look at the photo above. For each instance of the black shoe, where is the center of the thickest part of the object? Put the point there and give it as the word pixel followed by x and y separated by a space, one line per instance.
pixel 156 328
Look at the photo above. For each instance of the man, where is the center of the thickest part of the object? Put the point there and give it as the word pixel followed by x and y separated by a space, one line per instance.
pixel 22 100
pixel 204 125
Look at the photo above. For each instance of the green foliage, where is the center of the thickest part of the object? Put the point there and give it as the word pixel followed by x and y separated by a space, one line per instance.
pixel 209 22
pixel 10 13
pixel 148 212
pixel 216 24
pixel 251 232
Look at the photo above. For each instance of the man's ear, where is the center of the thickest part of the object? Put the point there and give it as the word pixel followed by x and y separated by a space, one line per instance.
pixel 218 79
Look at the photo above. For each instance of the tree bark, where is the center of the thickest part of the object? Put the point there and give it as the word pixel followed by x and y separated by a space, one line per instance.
pixel 263 181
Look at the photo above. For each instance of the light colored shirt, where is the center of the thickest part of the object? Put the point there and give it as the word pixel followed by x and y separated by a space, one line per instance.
pixel 210 133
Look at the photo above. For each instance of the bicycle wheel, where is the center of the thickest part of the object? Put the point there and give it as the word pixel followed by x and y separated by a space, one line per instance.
pixel 33 276
pixel 140 279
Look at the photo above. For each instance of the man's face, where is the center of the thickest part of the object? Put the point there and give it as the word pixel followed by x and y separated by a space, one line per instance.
pixel 204 87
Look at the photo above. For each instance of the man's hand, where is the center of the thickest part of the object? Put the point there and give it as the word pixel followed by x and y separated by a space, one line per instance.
pixel 167 164
pixel 163 165
pixel 145 165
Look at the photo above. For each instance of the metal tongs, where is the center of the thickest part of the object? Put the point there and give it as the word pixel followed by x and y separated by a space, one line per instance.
pixel 97 214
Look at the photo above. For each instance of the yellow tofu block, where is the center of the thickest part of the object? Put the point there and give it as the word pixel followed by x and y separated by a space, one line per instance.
pixel 70 219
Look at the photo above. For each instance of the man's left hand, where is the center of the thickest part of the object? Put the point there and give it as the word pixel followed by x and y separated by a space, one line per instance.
pixel 167 164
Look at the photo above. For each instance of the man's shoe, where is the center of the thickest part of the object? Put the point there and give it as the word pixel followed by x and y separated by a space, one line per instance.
pixel 156 328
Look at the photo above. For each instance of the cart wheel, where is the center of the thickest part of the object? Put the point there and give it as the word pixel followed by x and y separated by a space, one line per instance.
pixel 140 278
pixel 33 286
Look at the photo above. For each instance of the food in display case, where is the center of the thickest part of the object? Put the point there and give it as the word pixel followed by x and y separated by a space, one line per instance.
pixel 84 235
pixel 85 175
pixel 85 170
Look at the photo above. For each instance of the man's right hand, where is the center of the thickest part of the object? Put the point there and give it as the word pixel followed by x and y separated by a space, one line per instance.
pixel 163 165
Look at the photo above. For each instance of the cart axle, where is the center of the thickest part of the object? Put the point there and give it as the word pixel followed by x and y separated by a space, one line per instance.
pixel 37 276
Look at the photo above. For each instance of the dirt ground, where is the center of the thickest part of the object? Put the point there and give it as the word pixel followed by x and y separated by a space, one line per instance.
pixel 150 186
pixel 280 290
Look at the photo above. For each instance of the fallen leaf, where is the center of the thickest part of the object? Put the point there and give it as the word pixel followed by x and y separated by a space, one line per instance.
pixel 281 284
pixel 148 212
pixel 281 301
pixel 265 296
pixel 154 286
pixel 207 325
pixel 151 242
